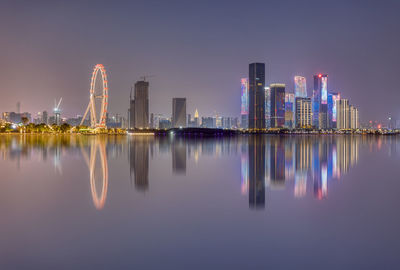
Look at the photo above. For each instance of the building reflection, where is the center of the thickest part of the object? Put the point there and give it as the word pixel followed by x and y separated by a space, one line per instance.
pixel 304 165
pixel 296 159
pixel 256 151
pixel 179 149
pixel 277 162
pixel 139 161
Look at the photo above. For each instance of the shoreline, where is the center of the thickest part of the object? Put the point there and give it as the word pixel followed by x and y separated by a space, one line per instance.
pixel 219 133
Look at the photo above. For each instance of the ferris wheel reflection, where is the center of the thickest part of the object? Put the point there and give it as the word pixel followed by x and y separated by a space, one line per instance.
pixel 98 171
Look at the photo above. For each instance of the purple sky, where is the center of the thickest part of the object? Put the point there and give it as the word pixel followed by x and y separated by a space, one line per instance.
pixel 198 50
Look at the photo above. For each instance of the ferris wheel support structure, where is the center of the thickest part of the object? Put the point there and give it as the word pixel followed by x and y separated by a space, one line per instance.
pixel 99 122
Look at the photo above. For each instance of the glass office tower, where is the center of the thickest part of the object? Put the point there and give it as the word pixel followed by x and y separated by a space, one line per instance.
pixel 277 105
pixel 300 86
pixel 257 96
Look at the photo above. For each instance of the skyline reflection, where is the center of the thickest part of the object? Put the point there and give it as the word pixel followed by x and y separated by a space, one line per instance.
pixel 303 164
pixel 297 159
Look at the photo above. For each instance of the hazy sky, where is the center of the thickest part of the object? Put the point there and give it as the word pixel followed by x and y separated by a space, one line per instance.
pixel 198 50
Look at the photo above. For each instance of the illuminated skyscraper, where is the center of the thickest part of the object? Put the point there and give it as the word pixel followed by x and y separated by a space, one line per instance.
pixel 332 110
pixel 289 110
pixel 267 107
pixel 277 105
pixel 244 112
pixel 353 117
pixel 321 87
pixel 303 113
pixel 196 119
pixel 300 86
pixel 256 96
pixel 179 112
pixel 315 108
pixel 343 114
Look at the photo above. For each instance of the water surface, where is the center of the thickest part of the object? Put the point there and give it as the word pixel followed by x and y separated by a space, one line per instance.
pixel 124 202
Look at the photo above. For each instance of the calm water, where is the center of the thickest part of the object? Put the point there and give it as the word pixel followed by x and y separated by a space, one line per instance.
pixel 131 202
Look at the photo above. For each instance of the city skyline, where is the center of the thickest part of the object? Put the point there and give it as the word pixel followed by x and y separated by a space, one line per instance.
pixel 51 69
pixel 227 134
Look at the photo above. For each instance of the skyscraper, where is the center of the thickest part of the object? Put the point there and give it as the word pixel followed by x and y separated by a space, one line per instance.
pixel 332 97
pixel 131 111
pixel 139 107
pixel 267 107
pixel 151 120
pixel 335 98
pixel 244 112
pixel 289 110
pixel 179 112
pixel 321 88
pixel 343 117
pixel 44 117
pixel 300 86
pixel 256 96
pixel 353 117
pixel 315 108
pixel 303 113
pixel 196 118
pixel 277 105
pixel 57 117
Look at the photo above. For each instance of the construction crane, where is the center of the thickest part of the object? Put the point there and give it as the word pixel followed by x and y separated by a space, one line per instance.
pixel 57 111
pixel 146 76
pixel 57 105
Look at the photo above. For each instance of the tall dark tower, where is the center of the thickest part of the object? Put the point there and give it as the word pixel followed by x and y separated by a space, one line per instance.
pixel 139 111
pixel 256 96
pixel 178 112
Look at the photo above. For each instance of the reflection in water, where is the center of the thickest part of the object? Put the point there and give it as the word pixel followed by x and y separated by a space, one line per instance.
pixel 277 162
pixel 98 185
pixel 179 156
pixel 282 159
pixel 302 164
pixel 139 161
pixel 256 171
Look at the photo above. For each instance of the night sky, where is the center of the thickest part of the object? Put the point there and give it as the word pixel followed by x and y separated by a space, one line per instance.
pixel 198 50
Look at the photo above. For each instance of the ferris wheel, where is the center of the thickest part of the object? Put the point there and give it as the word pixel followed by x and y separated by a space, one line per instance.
pixel 97 121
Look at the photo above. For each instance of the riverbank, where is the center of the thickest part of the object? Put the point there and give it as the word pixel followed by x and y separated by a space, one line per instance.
pixel 192 131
